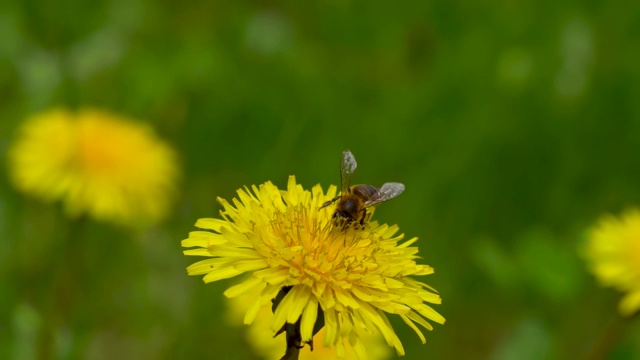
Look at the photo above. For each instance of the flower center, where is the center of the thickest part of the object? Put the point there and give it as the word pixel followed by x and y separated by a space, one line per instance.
pixel 319 253
pixel 633 254
pixel 104 150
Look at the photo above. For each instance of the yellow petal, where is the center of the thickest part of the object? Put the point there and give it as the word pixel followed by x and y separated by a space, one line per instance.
pixel 308 320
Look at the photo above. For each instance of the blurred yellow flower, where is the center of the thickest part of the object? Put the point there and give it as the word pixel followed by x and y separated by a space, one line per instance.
pixel 613 255
pixel 353 275
pixel 261 340
pixel 96 163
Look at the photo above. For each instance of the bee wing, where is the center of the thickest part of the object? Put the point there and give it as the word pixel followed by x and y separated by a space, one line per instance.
pixel 386 192
pixel 347 168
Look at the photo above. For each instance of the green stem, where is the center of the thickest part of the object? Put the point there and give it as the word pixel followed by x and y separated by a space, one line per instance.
pixel 292 353
pixel 610 337
pixel 63 287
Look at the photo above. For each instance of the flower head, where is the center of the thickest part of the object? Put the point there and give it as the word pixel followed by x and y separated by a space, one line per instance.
pixel 354 275
pixel 95 163
pixel 613 255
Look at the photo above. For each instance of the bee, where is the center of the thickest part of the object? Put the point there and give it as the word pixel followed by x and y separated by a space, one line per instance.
pixel 353 201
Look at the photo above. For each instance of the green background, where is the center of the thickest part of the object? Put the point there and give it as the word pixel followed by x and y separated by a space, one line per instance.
pixel 514 124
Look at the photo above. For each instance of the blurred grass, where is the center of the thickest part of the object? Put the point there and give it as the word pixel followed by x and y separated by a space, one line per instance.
pixel 514 125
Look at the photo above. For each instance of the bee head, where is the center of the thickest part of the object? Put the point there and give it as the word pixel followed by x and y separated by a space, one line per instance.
pixel 346 210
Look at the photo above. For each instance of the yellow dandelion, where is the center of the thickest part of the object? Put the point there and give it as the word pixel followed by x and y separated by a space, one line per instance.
pixel 96 163
pixel 351 276
pixel 613 255
pixel 262 342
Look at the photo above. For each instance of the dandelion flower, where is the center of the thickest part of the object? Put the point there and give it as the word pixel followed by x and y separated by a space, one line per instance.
pixel 613 255
pixel 96 163
pixel 262 341
pixel 351 276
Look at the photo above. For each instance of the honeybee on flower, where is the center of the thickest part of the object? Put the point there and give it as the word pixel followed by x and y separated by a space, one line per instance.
pixel 346 278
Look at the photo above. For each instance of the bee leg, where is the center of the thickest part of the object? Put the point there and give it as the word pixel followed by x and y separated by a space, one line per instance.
pixel 364 216
pixel 330 202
